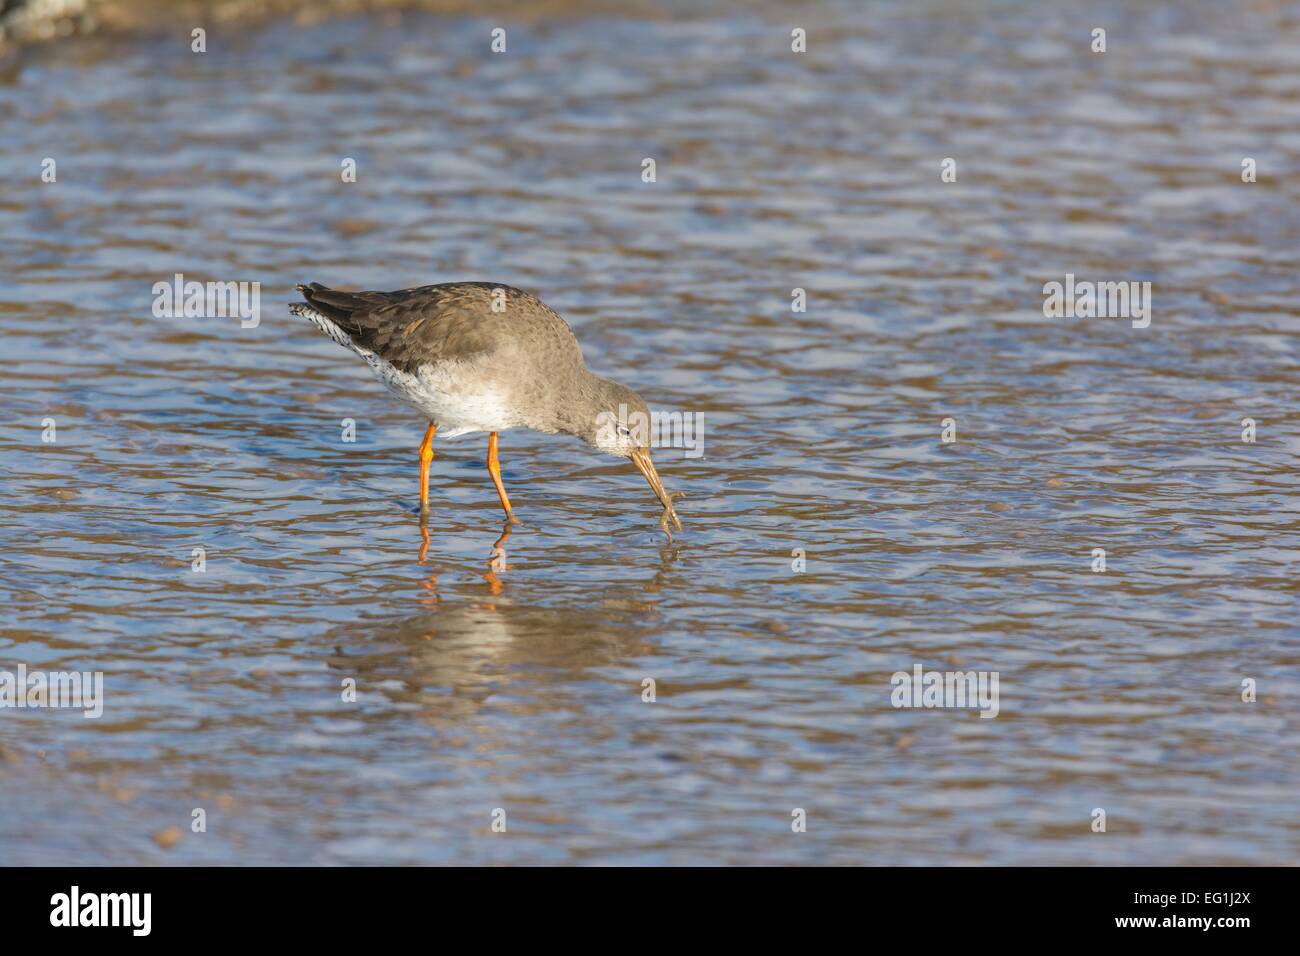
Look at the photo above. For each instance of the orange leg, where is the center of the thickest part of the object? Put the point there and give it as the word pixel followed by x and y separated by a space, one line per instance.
pixel 494 469
pixel 426 456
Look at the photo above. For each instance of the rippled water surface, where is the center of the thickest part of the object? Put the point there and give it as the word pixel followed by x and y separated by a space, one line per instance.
pixel 520 686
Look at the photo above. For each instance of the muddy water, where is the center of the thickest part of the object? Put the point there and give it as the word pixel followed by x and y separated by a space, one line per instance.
pixel 515 682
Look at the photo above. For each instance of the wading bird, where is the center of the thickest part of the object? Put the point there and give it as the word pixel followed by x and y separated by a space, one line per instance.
pixel 479 357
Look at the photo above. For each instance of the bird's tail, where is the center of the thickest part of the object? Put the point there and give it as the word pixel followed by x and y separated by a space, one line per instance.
pixel 320 315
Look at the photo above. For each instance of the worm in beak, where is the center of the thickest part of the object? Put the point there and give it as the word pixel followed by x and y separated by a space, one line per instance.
pixel 641 458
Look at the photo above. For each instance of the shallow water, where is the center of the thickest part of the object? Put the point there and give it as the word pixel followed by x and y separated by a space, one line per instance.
pixel 519 687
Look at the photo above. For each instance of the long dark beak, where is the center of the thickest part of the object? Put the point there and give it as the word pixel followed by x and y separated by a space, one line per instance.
pixel 644 465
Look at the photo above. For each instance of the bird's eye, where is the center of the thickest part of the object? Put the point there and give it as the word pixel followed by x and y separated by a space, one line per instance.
pixel 624 431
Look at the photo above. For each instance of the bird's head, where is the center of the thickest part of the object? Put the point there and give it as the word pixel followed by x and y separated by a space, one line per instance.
pixel 621 425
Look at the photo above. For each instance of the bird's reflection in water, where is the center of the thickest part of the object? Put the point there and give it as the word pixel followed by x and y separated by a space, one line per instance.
pixel 429 584
pixel 496 564
pixel 471 639
pixel 451 663
pixel 668 555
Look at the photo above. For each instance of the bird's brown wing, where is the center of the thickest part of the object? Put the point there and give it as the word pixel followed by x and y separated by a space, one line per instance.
pixel 432 323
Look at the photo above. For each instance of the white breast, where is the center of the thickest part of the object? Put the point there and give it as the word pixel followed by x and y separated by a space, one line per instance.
pixel 455 395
